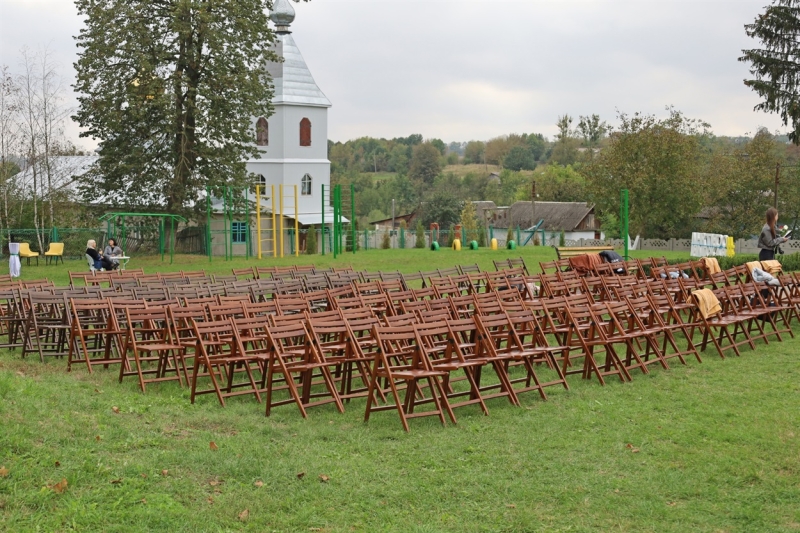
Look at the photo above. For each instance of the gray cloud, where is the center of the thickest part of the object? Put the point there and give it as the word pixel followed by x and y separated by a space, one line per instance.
pixel 463 70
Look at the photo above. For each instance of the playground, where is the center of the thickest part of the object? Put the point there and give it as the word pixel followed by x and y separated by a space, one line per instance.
pixel 705 446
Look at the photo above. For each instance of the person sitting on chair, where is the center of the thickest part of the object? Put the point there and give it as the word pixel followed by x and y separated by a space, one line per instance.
pixel 100 262
pixel 112 251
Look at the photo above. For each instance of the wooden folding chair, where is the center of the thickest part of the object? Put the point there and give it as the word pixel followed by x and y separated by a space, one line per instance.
pixel 401 363
pixel 154 350
pixel 586 332
pixel 47 325
pixel 220 356
pixel 294 354
pixel 93 334
pixel 709 317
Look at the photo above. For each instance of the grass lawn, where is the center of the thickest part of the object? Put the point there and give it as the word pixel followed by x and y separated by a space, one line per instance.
pixel 706 447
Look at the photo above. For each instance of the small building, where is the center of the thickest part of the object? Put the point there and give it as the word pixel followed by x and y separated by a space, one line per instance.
pixel 576 220
pixel 386 223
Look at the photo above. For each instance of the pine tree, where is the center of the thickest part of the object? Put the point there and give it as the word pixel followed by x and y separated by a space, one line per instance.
pixel 311 241
pixel 420 240
pixel 169 88
pixel 775 67
pixel 386 242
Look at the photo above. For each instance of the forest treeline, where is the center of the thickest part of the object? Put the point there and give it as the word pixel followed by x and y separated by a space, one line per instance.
pixel 680 175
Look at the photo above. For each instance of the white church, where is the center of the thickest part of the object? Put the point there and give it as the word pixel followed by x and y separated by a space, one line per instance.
pixel 293 141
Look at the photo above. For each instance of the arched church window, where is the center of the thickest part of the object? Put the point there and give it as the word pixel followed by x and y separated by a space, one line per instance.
pixel 305 185
pixel 305 132
pixel 262 132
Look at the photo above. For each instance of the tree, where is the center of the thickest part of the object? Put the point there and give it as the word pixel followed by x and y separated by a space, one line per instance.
pixel 592 130
pixel 537 144
pixel 419 242
pixel 660 162
pixel 739 186
pixel 519 158
pixel 386 242
pixel 439 145
pixel 442 207
pixel 311 241
pixel 171 95
pixel 775 67
pixel 561 184
pixel 565 150
pixel 425 163
pixel 474 152
pixel 469 222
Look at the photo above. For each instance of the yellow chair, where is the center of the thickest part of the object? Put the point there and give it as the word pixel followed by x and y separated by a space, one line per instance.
pixel 56 251
pixel 26 253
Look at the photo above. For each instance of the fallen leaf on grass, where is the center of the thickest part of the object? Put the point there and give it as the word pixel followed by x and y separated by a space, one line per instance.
pixel 98 391
pixel 144 500
pixel 210 500
pixel 511 506
pixel 58 463
pixel 116 481
pixel 3 471
pixel 214 482
pixel 60 487
pixel 323 478
pixel 632 448
pixel 115 409
pixel 144 476
pixel 213 445
pixel 244 515
pixel 301 475
pixel 97 438
pixel 672 504
pixel 164 472
pixel 259 484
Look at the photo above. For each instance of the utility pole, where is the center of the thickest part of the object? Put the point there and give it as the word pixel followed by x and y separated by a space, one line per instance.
pixel 393 226
pixel 533 203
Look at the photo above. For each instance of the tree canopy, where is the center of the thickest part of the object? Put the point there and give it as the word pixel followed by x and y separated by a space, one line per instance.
pixel 169 88
pixel 775 67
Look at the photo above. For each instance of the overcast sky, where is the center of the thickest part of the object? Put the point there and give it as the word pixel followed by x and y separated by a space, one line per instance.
pixel 462 69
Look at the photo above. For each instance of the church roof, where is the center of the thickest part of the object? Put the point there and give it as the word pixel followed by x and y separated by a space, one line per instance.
pixel 293 82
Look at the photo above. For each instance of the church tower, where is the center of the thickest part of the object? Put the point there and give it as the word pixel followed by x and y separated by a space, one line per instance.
pixel 294 141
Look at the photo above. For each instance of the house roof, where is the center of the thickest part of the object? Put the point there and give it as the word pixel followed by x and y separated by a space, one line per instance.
pixel 397 218
pixel 294 84
pixel 558 216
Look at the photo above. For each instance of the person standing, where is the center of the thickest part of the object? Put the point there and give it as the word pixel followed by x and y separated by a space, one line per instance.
pixel 769 240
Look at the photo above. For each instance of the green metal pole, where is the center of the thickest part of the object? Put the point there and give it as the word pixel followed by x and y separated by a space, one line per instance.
pixel 353 216
pixel 322 226
pixel 247 224
pixel 171 239
pixel 208 222
pixel 519 243
pixel 335 221
pixel 624 220
pixel 161 238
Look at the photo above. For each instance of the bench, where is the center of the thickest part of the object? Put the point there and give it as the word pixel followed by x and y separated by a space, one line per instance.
pixel 565 252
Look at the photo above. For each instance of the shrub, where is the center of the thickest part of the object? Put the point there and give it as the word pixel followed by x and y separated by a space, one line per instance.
pixel 311 241
pixel 562 239
pixel 386 242
pixel 510 234
pixel 481 236
pixel 420 241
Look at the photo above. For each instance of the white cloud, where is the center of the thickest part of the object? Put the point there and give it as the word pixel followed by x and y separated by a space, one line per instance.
pixel 463 70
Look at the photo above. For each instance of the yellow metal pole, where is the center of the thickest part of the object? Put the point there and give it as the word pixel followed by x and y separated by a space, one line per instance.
pixel 258 218
pixel 296 226
pixel 280 216
pixel 274 228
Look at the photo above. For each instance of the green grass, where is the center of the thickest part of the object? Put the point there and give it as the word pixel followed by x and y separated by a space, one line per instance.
pixel 410 260
pixel 717 450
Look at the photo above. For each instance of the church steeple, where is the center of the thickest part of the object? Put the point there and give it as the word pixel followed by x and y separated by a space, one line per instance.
pixel 282 15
